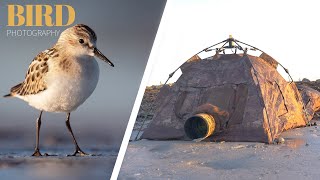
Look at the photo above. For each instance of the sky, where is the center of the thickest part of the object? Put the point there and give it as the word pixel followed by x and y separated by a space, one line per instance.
pixel 125 30
pixel 286 30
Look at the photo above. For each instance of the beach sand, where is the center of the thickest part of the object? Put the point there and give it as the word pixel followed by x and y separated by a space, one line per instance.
pixel 297 158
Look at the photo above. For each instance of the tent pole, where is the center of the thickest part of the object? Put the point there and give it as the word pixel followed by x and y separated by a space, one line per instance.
pixel 229 40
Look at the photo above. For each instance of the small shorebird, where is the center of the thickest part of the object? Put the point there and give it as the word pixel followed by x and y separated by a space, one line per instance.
pixel 61 78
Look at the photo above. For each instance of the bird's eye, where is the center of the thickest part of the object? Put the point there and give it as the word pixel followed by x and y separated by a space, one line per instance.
pixel 81 41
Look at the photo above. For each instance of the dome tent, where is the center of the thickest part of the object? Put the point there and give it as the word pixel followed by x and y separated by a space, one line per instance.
pixel 229 97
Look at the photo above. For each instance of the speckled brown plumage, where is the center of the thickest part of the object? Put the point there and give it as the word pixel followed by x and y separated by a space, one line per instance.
pixel 65 65
pixel 86 31
pixel 34 80
pixel 61 78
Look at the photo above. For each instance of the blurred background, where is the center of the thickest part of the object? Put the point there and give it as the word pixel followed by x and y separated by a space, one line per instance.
pixel 126 31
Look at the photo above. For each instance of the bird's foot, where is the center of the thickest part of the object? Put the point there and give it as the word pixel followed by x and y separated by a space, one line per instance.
pixel 46 154
pixel 80 152
pixel 37 153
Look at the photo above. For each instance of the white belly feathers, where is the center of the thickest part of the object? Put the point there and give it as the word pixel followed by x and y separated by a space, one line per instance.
pixel 66 89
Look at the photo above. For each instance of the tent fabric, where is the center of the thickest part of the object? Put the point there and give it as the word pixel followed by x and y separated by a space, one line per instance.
pixel 269 60
pixel 311 99
pixel 259 102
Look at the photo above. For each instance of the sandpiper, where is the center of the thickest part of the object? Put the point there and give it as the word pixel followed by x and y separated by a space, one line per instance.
pixel 61 78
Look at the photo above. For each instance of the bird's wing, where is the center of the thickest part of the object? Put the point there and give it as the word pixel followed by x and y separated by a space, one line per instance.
pixel 34 81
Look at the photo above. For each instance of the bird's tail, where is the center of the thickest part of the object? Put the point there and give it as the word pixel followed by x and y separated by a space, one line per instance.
pixel 14 90
pixel 7 95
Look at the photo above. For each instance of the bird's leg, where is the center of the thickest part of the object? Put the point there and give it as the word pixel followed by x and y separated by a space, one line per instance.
pixel 78 150
pixel 38 125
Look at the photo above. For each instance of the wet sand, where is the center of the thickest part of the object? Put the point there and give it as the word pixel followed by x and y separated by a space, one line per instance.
pixel 17 142
pixel 297 158
pixel 21 166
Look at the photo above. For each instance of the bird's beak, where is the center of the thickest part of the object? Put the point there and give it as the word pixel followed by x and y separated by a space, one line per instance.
pixel 102 57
